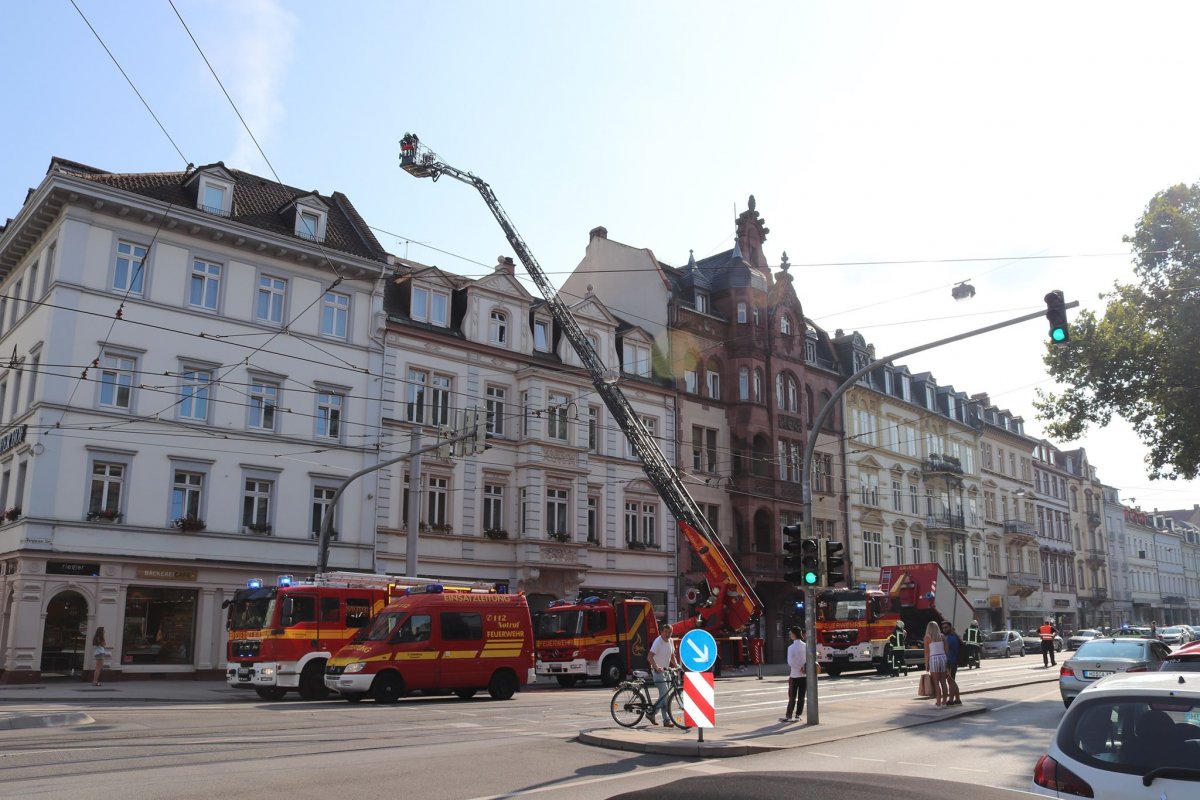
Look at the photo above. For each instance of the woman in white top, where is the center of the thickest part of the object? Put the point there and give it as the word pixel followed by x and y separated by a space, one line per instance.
pixel 935 663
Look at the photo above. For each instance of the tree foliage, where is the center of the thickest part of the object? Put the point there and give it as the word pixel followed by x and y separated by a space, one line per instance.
pixel 1141 359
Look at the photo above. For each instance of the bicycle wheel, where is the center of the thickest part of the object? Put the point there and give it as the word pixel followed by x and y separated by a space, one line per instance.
pixel 628 706
pixel 675 709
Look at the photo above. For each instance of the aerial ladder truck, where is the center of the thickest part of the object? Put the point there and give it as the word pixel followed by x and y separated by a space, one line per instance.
pixel 731 603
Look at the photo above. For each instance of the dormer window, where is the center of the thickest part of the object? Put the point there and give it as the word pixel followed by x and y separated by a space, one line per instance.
pixel 636 359
pixel 498 331
pixel 431 307
pixel 541 336
pixel 785 324
pixel 307 224
pixel 702 302
pixel 215 195
pixel 311 214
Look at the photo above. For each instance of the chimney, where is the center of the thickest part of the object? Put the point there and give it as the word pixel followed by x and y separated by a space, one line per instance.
pixel 598 231
pixel 506 265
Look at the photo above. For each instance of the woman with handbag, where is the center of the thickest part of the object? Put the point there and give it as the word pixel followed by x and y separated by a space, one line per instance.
pixel 935 663
pixel 99 651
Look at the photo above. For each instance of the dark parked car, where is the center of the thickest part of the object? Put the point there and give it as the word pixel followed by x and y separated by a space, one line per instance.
pixel 1079 637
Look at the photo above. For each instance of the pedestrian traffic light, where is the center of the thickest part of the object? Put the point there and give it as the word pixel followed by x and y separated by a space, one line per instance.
pixel 833 564
pixel 1057 316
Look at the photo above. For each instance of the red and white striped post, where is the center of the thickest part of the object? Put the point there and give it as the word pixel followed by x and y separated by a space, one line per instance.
pixel 699 701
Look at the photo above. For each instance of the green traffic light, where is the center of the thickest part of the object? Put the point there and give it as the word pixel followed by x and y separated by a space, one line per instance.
pixel 810 578
pixel 1059 334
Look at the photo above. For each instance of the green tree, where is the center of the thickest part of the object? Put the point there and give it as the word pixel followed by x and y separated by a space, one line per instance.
pixel 1141 359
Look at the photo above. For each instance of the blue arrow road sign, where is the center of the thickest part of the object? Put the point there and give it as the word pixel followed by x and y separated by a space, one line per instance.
pixel 698 650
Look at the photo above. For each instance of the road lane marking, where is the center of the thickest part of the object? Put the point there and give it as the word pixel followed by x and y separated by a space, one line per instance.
pixel 915 764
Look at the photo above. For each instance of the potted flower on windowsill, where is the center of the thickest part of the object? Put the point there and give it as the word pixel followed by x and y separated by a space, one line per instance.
pixel 442 527
pixel 13 513
pixel 104 515
pixel 634 544
pixel 260 528
pixel 496 533
pixel 189 522
pixel 560 536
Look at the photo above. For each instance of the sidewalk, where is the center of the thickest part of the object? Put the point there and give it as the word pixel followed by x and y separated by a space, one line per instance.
pixel 841 719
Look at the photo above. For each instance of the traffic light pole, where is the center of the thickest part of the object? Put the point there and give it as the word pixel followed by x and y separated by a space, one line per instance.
pixel 810 447
pixel 327 521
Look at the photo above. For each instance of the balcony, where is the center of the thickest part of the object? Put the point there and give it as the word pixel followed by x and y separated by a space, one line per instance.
pixel 1020 532
pixel 1023 584
pixel 1174 600
pixel 766 566
pixel 1095 556
pixel 959 576
pixel 1099 594
pixel 945 521
pixel 1094 519
pixel 942 465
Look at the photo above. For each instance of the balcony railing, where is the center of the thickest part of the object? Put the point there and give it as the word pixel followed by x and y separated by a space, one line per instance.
pixel 942 464
pixel 959 576
pixel 1024 580
pixel 1020 527
pixel 1174 600
pixel 945 521
pixel 1094 554
pixel 1094 519
pixel 1099 594
pixel 761 565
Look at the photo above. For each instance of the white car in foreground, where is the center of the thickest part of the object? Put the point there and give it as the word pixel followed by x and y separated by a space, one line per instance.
pixel 1130 736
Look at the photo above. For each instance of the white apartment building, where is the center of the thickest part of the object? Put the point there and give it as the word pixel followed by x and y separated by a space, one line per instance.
pixel 559 506
pixel 1005 455
pixel 1118 557
pixel 1144 589
pixel 1056 600
pixel 193 373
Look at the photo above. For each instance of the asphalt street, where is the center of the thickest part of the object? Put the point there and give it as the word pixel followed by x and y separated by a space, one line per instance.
pixel 174 740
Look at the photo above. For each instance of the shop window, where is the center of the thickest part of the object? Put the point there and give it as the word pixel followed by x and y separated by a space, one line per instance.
pixel 160 626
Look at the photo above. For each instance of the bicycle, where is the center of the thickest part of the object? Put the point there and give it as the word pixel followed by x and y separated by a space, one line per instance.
pixel 631 701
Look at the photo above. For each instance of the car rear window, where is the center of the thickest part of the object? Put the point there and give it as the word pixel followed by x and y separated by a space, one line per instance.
pixel 1184 663
pixel 1109 649
pixel 1133 733
pixel 1087 633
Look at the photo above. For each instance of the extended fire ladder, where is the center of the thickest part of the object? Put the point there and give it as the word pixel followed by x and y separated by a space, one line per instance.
pixel 421 162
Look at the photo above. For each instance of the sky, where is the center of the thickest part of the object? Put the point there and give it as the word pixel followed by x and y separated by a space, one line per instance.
pixel 1008 144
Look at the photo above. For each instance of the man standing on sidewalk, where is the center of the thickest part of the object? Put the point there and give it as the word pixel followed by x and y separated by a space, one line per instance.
pixel 1046 632
pixel 662 655
pixel 797 659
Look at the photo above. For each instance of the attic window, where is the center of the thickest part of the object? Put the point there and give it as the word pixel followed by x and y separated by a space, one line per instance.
pixel 215 196
pixel 431 307
pixel 310 224
pixel 702 302
pixel 541 336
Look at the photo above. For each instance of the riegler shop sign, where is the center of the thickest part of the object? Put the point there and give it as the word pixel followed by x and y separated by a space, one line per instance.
pixel 13 437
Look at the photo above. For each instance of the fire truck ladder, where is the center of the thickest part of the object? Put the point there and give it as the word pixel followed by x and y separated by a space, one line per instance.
pixel 421 162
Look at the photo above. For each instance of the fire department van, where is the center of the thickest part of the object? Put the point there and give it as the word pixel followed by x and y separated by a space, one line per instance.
pixel 437 640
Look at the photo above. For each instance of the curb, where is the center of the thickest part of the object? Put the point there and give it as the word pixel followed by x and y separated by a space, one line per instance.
pixel 12 722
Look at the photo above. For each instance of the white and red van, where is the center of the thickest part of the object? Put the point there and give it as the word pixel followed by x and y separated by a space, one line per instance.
pixel 435 639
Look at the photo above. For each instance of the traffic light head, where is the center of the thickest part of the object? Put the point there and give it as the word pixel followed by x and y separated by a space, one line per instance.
pixel 803 560
pixel 1056 315
pixel 834 563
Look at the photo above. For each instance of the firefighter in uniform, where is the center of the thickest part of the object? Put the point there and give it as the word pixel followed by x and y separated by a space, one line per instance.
pixel 1046 633
pixel 894 651
pixel 971 640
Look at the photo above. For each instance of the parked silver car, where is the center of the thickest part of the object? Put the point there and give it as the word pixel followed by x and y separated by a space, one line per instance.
pixel 1100 658
pixel 1175 635
pixel 1033 642
pixel 1002 644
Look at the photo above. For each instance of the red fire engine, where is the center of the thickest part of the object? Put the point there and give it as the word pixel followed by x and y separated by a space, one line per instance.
pixel 853 624
pixel 281 636
pixel 604 639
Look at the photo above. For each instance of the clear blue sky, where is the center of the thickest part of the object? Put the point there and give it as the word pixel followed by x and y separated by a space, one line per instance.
pixel 888 131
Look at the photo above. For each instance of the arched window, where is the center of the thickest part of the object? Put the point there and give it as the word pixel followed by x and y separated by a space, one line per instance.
pixel 744 383
pixel 498 330
pixel 741 313
pixel 758 385
pixel 793 399
pixel 785 324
